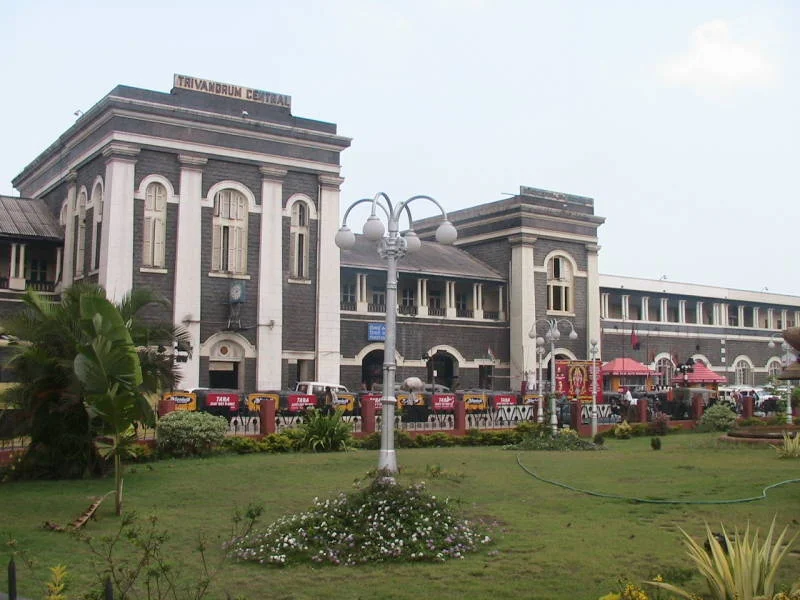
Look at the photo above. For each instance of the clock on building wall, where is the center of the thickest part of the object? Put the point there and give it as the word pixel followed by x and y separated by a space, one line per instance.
pixel 236 293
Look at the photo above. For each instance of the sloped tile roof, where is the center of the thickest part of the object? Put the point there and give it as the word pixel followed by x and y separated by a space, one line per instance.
pixel 27 218
pixel 431 259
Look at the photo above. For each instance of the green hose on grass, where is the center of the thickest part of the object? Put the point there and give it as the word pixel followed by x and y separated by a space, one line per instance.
pixel 652 500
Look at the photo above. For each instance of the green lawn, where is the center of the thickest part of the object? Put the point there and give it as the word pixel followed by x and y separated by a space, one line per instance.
pixel 550 542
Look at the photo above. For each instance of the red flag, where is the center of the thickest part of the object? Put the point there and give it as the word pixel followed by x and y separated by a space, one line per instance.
pixel 634 339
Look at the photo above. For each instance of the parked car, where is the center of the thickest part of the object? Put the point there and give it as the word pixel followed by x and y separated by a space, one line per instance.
pixel 317 388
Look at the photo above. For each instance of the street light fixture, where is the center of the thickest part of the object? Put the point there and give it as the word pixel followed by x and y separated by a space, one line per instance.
pixel 552 335
pixel 391 246
pixel 593 352
pixel 787 358
pixel 540 357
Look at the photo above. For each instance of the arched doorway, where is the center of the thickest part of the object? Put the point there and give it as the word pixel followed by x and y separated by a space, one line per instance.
pixel 225 362
pixel 372 368
pixel 442 369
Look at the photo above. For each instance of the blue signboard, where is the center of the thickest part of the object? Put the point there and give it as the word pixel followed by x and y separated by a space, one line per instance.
pixel 376 332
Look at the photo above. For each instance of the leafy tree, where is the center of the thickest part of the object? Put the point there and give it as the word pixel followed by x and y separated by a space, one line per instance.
pixel 51 396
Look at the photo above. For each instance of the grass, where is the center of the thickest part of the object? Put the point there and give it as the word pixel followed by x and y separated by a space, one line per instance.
pixel 550 543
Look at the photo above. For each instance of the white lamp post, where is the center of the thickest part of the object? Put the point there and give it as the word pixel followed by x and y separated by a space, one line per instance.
pixel 787 358
pixel 552 335
pixel 593 352
pixel 540 357
pixel 391 246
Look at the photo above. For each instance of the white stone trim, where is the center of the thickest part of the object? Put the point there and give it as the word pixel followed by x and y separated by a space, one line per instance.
pixel 312 210
pixel 732 365
pixel 230 184
pixel 98 181
pixel 141 192
pixel 229 337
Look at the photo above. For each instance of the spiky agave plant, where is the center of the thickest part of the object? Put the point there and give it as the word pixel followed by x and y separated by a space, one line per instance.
pixel 746 571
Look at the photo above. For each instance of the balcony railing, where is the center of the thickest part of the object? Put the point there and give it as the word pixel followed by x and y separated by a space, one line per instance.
pixel 407 309
pixel 41 286
pixel 376 308
pixel 348 306
pixel 465 313
pixel 436 312
pixel 491 314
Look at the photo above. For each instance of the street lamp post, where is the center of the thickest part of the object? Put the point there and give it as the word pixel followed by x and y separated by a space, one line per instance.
pixel 787 358
pixel 552 335
pixel 391 246
pixel 593 352
pixel 540 357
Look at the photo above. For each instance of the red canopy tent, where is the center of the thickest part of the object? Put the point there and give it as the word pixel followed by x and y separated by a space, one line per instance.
pixel 702 374
pixel 626 367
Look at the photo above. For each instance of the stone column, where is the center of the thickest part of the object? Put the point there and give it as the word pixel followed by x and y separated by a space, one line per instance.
pixel 116 244
pixel 522 307
pixel 328 288
pixel 188 251
pixel 270 280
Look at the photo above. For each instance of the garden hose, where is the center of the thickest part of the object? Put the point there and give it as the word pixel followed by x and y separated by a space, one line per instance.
pixel 634 499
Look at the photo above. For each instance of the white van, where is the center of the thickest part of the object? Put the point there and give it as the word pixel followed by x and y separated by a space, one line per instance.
pixel 317 388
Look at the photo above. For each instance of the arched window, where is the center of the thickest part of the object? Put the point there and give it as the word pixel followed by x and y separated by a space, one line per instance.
pixel 229 239
pixel 298 251
pixel 97 230
pixel 774 369
pixel 80 234
pixel 664 370
pixel 559 284
pixel 743 373
pixel 155 225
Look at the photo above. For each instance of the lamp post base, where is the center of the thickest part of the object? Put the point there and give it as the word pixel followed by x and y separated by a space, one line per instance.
pixel 387 461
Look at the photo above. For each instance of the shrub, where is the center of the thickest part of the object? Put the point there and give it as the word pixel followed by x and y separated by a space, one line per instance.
pixel 241 445
pixel 717 418
pixel 403 439
pixel 371 441
pixel 740 566
pixel 185 433
pixel 751 422
pixel 435 440
pixel 622 431
pixel 790 447
pixel 565 439
pixel 599 439
pixel 324 432
pixel 275 442
pixel 655 443
pixel 385 521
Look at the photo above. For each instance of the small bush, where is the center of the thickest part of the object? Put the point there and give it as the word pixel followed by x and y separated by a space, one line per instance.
pixel 184 433
pixel 241 445
pixel 659 425
pixel 790 447
pixel 751 422
pixel 599 439
pixel 622 431
pixel 565 439
pixel 655 443
pixel 275 443
pixel 435 440
pixel 324 432
pixel 717 418
pixel 403 439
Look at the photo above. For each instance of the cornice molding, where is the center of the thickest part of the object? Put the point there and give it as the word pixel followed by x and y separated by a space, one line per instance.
pixel 120 151
pixel 191 160
pixel 272 172
pixel 330 181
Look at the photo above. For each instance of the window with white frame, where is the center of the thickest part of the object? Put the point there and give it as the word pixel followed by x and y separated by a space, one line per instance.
pixel 97 230
pixel 298 250
pixel 407 297
pixel 743 373
pixel 664 370
pixel 80 234
pixel 773 369
pixel 348 293
pixel 559 284
pixel 155 226
pixel 229 237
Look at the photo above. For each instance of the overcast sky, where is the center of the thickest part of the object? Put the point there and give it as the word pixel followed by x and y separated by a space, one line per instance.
pixel 679 118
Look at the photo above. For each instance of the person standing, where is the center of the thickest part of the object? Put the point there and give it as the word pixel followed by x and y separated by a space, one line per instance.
pixel 329 401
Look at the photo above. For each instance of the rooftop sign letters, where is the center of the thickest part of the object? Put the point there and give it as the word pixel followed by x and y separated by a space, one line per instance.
pixel 209 86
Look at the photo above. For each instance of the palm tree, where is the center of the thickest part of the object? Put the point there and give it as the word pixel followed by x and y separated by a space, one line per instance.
pixel 53 398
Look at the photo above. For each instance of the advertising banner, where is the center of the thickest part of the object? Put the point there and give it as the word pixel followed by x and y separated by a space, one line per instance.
pixel 504 400
pixel 254 400
pixel 444 402
pixel 375 399
pixel 475 401
pixel 224 399
pixel 300 402
pixel 183 400
pixel 574 379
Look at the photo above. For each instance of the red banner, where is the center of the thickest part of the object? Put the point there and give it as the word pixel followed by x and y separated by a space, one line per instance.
pixel 574 379
pixel 225 399
pixel 505 400
pixel 446 402
pixel 299 402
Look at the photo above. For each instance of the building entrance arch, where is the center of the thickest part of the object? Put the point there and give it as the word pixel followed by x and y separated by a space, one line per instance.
pixel 372 368
pixel 443 369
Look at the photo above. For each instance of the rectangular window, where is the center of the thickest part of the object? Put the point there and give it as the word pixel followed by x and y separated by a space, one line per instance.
pixel 349 293
pixel 435 299
pixel 97 237
pixel 225 249
pixel 461 302
pixel 378 296
pixel 38 270
pixel 408 297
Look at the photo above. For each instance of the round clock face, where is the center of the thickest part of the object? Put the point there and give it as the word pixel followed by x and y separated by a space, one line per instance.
pixel 236 292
